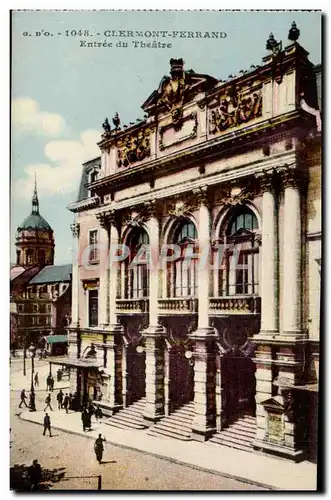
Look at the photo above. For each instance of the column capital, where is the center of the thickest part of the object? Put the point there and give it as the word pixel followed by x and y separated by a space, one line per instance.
pixel 75 226
pixel 268 180
pixel 201 194
pixel 106 218
pixel 291 177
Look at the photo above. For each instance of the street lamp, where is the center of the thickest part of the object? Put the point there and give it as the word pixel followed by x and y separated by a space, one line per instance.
pixel 32 402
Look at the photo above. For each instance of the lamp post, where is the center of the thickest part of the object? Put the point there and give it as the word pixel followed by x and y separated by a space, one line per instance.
pixel 32 402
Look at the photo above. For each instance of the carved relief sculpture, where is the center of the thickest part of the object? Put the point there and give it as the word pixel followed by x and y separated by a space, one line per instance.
pixel 134 147
pixel 235 109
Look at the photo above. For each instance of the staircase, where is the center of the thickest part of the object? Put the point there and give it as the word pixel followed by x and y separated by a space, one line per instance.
pixel 178 425
pixel 238 435
pixel 130 417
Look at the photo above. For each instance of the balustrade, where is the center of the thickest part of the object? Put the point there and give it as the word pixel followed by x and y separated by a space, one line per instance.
pixel 178 305
pixel 235 305
pixel 132 305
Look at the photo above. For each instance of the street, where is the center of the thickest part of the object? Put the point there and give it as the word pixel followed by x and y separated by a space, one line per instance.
pixel 66 454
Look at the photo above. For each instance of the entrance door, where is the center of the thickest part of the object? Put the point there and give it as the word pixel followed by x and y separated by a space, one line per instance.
pixel 135 374
pixel 181 378
pixel 238 382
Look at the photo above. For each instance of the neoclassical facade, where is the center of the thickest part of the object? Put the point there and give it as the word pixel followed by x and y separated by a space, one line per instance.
pixel 196 274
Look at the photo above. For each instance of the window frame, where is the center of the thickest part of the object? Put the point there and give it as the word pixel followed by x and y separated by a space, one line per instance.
pixel 94 254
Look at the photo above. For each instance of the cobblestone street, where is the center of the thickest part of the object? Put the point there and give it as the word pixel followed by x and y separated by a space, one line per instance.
pixel 74 455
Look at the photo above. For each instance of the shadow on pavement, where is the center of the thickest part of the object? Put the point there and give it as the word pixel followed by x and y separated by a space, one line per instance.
pixel 19 478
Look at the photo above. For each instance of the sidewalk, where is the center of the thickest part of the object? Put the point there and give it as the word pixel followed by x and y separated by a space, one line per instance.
pixel 18 381
pixel 248 467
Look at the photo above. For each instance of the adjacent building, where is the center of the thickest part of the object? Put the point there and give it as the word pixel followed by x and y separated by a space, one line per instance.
pixel 197 254
pixel 40 291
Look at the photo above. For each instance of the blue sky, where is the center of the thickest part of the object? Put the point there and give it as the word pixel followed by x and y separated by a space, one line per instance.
pixel 62 93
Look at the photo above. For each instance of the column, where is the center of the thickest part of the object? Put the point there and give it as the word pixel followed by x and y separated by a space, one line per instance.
pixel 116 356
pixel 269 257
pixel 204 423
pixel 103 275
pixel 154 334
pixel 74 326
pixel 292 255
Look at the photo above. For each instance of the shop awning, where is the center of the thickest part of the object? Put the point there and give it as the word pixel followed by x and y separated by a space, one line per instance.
pixel 56 339
pixel 75 362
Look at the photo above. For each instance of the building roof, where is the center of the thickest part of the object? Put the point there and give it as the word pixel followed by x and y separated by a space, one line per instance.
pixel 35 221
pixel 16 271
pixel 53 274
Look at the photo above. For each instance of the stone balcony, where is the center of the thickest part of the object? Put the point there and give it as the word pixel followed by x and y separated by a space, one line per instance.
pixel 235 305
pixel 132 306
pixel 178 306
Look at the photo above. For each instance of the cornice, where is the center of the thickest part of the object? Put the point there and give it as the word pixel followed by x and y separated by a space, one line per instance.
pixel 81 205
pixel 223 177
pixel 205 151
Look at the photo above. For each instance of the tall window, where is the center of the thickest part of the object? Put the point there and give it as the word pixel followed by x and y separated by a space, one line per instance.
pixel 29 257
pixel 41 257
pixel 239 272
pixel 93 307
pixel 184 269
pixel 137 269
pixel 18 256
pixel 93 243
pixel 92 178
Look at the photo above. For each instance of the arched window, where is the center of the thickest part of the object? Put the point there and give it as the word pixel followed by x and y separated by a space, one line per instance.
pixel 184 269
pixel 137 272
pixel 239 269
pixel 29 257
pixel 42 257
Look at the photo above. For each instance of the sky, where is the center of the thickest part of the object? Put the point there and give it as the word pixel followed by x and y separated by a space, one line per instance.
pixel 62 92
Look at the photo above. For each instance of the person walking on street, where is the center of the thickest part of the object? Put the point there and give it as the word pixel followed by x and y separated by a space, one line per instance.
pixel 36 380
pixel 23 398
pixel 98 447
pixel 51 387
pixel 34 475
pixel 98 413
pixel 66 403
pixel 59 398
pixel 85 419
pixel 48 403
pixel 47 425
pixel 48 382
pixel 70 401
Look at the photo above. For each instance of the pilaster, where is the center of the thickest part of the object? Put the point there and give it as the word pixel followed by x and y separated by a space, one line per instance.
pixel 155 373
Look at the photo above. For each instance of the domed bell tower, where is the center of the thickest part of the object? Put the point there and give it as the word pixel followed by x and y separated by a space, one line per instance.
pixel 35 239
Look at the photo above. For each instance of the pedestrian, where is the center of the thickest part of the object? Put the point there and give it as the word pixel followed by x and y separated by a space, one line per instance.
pixel 48 382
pixel 70 401
pixel 59 398
pixel 98 413
pixel 36 379
pixel 47 425
pixel 34 475
pixel 48 403
pixel 23 398
pixel 90 409
pixel 51 388
pixel 98 447
pixel 85 419
pixel 66 402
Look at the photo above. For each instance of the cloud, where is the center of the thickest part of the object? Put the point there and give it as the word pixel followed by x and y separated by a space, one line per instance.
pixel 62 174
pixel 27 117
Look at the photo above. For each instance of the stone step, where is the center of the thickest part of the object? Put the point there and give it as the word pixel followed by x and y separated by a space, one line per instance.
pixel 176 418
pixel 238 432
pixel 126 425
pixel 165 424
pixel 238 440
pixel 236 446
pixel 127 418
pixel 166 433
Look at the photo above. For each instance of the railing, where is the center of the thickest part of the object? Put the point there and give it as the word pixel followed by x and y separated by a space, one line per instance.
pixel 132 305
pixel 178 305
pixel 235 305
pixel 41 295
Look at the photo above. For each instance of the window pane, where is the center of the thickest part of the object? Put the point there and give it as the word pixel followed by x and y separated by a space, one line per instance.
pixel 93 308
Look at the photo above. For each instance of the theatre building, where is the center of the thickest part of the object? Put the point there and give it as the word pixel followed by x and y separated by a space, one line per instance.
pixel 205 324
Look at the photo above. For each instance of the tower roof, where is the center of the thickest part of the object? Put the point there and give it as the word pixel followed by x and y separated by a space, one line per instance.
pixel 35 220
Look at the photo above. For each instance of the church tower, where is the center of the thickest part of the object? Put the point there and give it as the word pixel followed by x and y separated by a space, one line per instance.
pixel 35 239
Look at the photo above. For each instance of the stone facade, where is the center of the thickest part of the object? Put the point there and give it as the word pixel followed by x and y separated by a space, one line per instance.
pixel 231 174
